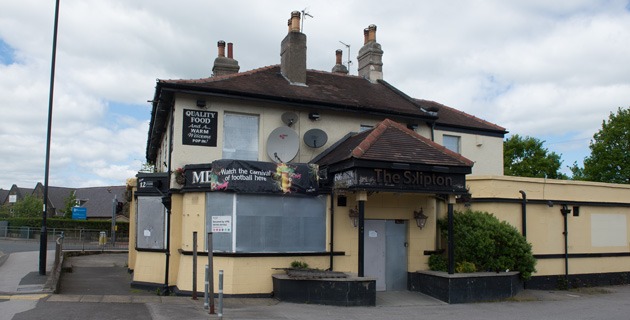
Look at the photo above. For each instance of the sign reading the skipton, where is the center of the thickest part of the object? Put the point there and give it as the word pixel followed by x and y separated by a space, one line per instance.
pixel 199 128
pixel 410 180
pixel 253 177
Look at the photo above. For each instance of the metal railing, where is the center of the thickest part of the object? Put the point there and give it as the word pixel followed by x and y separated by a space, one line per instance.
pixel 73 239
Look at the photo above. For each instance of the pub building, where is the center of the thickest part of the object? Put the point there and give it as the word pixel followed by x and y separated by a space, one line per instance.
pixel 282 163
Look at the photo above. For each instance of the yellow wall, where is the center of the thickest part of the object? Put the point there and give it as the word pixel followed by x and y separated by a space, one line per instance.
pixel 545 225
pixel 131 257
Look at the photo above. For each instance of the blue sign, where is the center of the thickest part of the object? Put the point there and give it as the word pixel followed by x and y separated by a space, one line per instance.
pixel 79 213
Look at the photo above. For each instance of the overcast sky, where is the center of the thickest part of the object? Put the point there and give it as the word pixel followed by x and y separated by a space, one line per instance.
pixel 548 69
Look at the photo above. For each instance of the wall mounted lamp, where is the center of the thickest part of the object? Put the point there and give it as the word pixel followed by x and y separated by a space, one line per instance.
pixel 201 103
pixel 565 210
pixel 314 116
pixel 353 214
pixel 420 217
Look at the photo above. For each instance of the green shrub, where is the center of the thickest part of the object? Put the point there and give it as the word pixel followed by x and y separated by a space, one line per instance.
pixel 465 267
pixel 123 227
pixel 299 265
pixel 490 244
pixel 437 262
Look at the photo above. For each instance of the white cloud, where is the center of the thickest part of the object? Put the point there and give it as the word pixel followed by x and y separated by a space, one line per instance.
pixel 540 68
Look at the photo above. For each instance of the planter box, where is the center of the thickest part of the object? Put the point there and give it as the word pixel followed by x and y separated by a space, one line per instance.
pixel 465 287
pixel 350 291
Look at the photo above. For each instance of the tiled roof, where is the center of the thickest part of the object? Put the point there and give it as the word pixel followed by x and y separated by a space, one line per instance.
pixel 448 116
pixel 99 200
pixel 3 195
pixel 324 89
pixel 393 142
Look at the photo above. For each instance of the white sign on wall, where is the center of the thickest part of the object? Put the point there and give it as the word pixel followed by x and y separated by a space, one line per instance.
pixel 609 230
pixel 222 224
pixel 12 198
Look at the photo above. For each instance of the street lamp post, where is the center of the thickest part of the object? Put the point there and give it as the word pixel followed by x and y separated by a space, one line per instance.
pixel 43 237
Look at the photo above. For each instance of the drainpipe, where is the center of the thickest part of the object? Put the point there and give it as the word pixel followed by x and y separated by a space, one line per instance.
pixel 524 213
pixel 332 228
pixel 167 204
pixel 361 198
pixel 451 236
pixel 565 213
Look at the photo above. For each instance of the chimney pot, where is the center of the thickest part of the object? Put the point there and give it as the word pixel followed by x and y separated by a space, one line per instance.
pixel 221 47
pixel 371 33
pixel 295 21
pixel 366 32
pixel 224 65
pixel 339 67
pixel 230 46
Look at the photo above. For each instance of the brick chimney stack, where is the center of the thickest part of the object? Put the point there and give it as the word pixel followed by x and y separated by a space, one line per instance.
pixel 293 52
pixel 339 67
pixel 224 65
pixel 370 56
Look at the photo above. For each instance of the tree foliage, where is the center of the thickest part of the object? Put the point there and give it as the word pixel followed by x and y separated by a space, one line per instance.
pixel 484 243
pixel 29 206
pixel 610 152
pixel 526 157
pixel 69 202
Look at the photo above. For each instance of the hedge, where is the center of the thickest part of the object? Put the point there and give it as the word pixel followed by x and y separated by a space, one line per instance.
pixel 67 224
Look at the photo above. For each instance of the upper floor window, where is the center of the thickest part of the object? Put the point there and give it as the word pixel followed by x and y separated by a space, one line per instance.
pixel 240 136
pixel 365 127
pixel 452 143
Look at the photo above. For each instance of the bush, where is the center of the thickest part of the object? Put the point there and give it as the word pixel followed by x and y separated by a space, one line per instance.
pixel 299 265
pixel 489 244
pixel 437 262
pixel 465 267
pixel 123 227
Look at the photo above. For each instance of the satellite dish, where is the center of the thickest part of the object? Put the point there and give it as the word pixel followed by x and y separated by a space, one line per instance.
pixel 315 138
pixel 283 144
pixel 289 118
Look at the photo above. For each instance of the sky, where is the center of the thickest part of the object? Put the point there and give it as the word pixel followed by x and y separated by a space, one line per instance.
pixel 553 70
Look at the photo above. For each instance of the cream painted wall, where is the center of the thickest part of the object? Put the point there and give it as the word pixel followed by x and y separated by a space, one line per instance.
pixel 485 151
pixel 335 124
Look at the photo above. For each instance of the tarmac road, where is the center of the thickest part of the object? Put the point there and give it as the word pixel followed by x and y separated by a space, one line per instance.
pixel 110 297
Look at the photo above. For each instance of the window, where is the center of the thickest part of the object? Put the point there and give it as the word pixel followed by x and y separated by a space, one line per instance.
pixel 240 137
pixel 451 143
pixel 365 127
pixel 262 223
pixel 151 223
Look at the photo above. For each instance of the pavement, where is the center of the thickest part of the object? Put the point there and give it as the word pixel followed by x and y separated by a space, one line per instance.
pixel 98 288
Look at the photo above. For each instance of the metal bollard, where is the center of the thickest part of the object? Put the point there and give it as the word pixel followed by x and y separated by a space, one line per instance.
pixel 220 313
pixel 206 301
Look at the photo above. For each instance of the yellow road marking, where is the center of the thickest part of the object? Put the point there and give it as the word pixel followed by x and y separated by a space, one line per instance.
pixel 24 297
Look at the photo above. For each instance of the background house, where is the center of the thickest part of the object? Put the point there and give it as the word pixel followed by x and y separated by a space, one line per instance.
pixel 97 200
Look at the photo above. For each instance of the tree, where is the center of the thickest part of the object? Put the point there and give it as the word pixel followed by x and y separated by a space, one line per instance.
pixel 30 206
pixel 526 157
pixel 610 152
pixel 69 202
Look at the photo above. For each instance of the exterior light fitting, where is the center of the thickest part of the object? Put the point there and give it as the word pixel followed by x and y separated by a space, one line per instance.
pixel 353 214
pixel 201 103
pixel 420 217
pixel 314 116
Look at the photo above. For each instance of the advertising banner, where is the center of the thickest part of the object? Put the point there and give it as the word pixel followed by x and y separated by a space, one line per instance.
pixel 253 177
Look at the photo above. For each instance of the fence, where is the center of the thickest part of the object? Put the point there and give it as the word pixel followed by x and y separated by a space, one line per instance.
pixel 73 239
